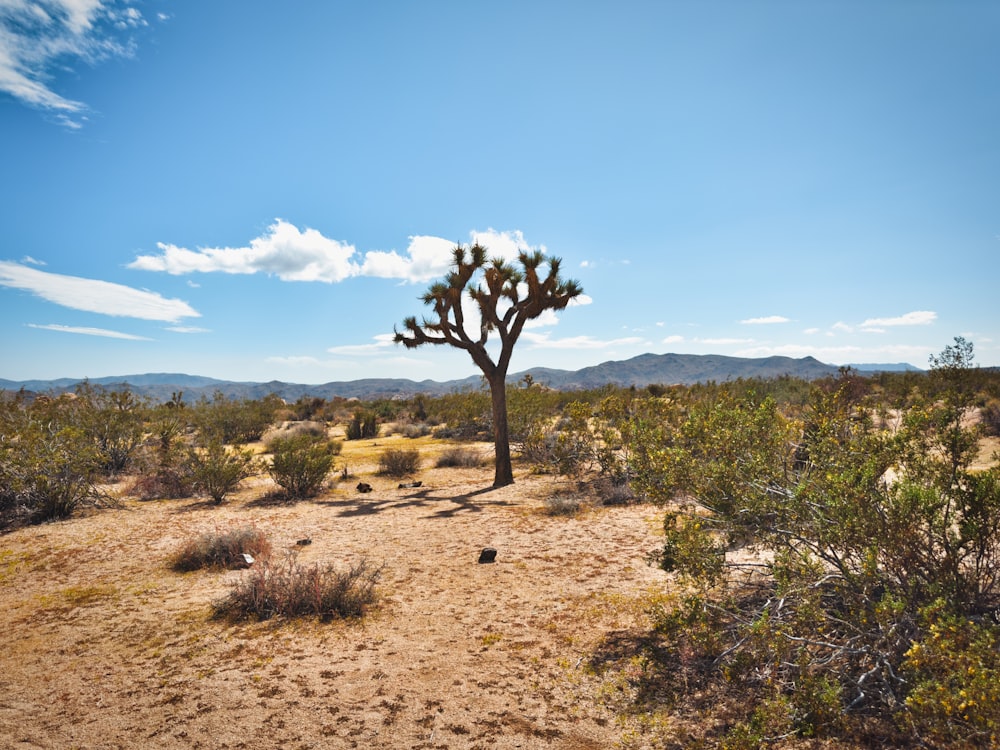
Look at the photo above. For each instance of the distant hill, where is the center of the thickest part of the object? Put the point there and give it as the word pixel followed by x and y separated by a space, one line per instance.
pixel 665 369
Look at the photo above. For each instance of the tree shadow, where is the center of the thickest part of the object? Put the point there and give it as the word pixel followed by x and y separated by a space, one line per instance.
pixel 424 498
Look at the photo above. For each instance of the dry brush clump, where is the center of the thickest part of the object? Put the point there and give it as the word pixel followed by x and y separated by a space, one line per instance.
pixel 395 462
pixel 290 589
pixel 221 548
pixel 460 457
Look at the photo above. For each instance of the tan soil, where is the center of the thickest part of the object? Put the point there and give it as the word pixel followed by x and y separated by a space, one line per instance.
pixel 103 646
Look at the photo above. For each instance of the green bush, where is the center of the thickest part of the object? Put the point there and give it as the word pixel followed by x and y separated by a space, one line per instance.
pixel 871 542
pixel 48 463
pixel 216 470
pixel 363 425
pixel 233 421
pixel 292 590
pixel 399 463
pixel 221 549
pixel 301 464
pixel 115 421
pixel 163 469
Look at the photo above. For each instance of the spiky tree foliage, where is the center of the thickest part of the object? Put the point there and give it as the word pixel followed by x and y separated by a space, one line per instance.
pixel 507 297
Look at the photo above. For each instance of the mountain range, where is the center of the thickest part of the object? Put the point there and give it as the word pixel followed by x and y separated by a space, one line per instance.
pixel 640 371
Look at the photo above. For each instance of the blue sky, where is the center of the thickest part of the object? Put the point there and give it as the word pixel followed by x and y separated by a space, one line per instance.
pixel 256 190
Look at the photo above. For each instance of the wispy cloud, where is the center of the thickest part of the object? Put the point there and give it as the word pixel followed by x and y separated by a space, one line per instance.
pixel 104 332
pixel 291 254
pixel 916 318
pixel 92 295
pixel 35 36
pixel 545 341
pixel 188 329
pixel 765 321
pixel 382 343
pixel 724 341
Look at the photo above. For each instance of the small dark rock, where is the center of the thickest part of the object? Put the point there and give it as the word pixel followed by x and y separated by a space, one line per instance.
pixel 488 555
pixel 408 485
pixel 304 542
pixel 364 487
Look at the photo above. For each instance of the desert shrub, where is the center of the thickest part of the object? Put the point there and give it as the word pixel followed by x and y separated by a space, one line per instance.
pixel 463 415
pixel 991 417
pixel 289 429
pixel 363 425
pixel 456 457
pixel 116 421
pixel 217 470
pixel 163 471
pixel 234 421
pixel 563 505
pixel 221 549
pixel 300 464
pixel 48 463
pixel 863 565
pixel 954 670
pixel 411 429
pixel 399 463
pixel 292 590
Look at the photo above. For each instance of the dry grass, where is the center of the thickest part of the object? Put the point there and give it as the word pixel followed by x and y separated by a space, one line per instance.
pixel 106 647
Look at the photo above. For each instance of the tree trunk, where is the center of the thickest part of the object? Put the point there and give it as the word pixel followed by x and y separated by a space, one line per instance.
pixel 504 474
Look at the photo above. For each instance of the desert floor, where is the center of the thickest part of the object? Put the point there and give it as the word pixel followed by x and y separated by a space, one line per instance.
pixel 103 646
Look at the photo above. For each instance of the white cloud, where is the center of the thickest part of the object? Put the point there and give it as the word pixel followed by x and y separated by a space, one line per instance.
pixel 187 329
pixel 765 321
pixel 811 331
pixel 89 331
pixel 37 36
pixel 283 250
pixel 27 259
pixel 544 341
pixel 382 342
pixel 724 341
pixel 507 245
pixel 841 327
pixel 294 361
pixel 92 295
pixel 428 258
pixel 675 339
pixel 916 318
pixel 292 254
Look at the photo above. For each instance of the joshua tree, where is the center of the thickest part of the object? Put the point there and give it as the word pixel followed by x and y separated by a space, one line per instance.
pixel 507 297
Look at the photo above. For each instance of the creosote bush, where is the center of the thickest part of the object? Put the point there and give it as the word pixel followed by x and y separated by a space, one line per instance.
pixel 221 549
pixel 301 464
pixel 868 579
pixel 399 463
pixel 460 457
pixel 289 589
pixel 217 470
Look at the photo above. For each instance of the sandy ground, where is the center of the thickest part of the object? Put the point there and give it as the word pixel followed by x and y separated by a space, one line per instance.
pixel 103 646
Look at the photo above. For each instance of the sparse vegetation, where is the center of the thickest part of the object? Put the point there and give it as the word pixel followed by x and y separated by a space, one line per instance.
pixel 507 298
pixel 290 589
pixel 395 462
pixel 301 464
pixel 563 505
pixel 460 457
pixel 364 424
pixel 221 549
pixel 217 470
